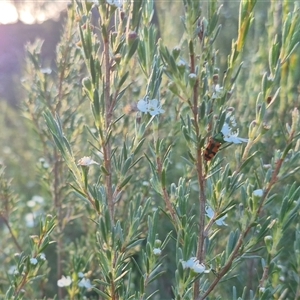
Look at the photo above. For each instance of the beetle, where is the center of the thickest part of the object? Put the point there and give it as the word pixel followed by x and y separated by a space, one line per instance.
pixel 213 146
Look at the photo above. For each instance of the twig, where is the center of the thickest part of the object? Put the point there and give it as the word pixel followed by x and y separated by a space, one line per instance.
pixel 108 117
pixel 5 220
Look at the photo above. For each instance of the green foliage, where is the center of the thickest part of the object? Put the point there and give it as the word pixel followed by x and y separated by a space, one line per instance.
pixel 155 195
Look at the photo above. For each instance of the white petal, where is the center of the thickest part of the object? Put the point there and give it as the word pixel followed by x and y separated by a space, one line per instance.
pixel 117 3
pixel 209 212
pixel 43 256
pixel 154 107
pixel 190 262
pixel 86 161
pixel 156 251
pixel 156 111
pixel 33 261
pixel 226 130
pixel 143 106
pixel 258 193
pixel 198 268
pixel 64 281
pixel 85 283
pixel 235 139
pixel 221 222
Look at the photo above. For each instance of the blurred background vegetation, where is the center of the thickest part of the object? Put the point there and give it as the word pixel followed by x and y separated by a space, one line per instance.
pixel 17 151
pixel 22 151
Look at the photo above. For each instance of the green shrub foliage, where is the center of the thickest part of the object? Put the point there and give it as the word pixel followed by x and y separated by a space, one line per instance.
pixel 166 148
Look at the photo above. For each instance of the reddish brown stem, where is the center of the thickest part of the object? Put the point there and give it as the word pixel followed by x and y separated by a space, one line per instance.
pixel 106 143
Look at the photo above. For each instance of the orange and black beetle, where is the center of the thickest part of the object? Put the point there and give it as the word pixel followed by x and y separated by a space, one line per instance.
pixel 213 146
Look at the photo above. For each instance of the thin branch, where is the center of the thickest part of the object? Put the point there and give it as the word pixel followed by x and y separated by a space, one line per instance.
pixel 108 117
pixel 5 220
pixel 200 176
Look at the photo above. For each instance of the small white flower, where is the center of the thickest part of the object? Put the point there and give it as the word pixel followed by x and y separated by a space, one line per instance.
pixel 258 193
pixel 116 3
pixel 64 281
pixel 192 76
pixel 157 251
pixel 33 261
pixel 262 289
pixel 31 203
pixel 189 263
pixel 150 106
pixel 210 213
pixel 230 136
pixel 154 107
pixel 220 222
pixel 47 71
pixel 217 91
pixel 42 256
pixel 198 268
pixel 80 275
pixel 218 88
pixel 13 270
pixel 267 166
pixel 194 264
pixel 38 199
pixel 143 106
pixel 35 200
pixel 181 63
pixel 86 283
pixel 86 161
pixel 30 220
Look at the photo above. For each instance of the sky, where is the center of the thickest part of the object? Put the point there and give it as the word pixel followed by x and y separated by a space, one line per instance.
pixel 29 13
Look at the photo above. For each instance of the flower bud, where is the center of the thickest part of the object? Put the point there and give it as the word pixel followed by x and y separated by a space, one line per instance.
pixel 192 79
pixel 176 51
pixel 157 243
pixel 173 87
pixel 131 37
pixel 252 130
pixel 266 127
pixel 181 65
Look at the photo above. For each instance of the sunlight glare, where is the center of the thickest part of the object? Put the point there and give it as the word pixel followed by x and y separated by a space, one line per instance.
pixel 26 16
pixel 8 13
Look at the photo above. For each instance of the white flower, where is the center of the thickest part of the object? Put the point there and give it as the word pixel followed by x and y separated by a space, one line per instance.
pixel 157 251
pixel 86 161
pixel 80 275
pixel 217 91
pixel 194 264
pixel 42 256
pixel 258 193
pixel 13 270
pixel 150 106
pixel 262 289
pixel 192 76
pixel 116 3
pixel 30 220
pixel 189 263
pixel 33 261
pixel 231 136
pixel 198 268
pixel 47 71
pixel 64 281
pixel 86 283
pixel 181 63
pixel 35 200
pixel 210 213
